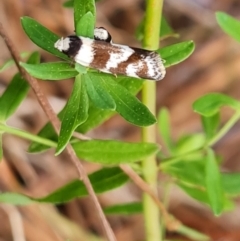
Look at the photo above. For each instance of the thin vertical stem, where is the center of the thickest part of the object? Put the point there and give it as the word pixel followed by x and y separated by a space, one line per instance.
pixel 149 166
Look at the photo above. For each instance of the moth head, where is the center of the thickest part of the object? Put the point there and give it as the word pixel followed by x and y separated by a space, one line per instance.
pixel 69 45
pixel 102 34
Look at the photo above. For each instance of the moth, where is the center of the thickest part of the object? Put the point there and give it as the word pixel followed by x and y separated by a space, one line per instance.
pixel 102 54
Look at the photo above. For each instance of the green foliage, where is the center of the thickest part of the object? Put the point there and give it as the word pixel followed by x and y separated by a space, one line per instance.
pixel 176 53
pixel 124 209
pixel 229 25
pixel 50 71
pixel 109 152
pixel 103 180
pixel 190 160
pixel 76 113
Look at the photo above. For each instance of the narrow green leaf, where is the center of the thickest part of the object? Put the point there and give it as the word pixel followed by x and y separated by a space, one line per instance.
pixel 127 105
pixel 210 124
pixel 11 62
pixel 15 198
pixel 229 25
pixel 41 36
pixel 110 152
pixel 85 26
pixel 166 30
pixel 231 183
pixel 196 193
pixel 201 196
pixel 81 7
pixel 97 93
pixel 50 71
pixel 214 183
pixel 164 129
pixel 189 143
pixel 102 181
pixel 124 209
pixel 76 112
pixel 210 104
pixel 80 69
pixel 188 171
pixel 13 96
pixel 176 53
pixel 15 92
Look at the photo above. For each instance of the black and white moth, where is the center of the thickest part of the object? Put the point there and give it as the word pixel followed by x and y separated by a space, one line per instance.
pixel 101 54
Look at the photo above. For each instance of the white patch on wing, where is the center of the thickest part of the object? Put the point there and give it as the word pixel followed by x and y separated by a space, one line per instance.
pixel 101 33
pixel 62 44
pixel 85 54
pixel 156 69
pixel 124 52
pixel 132 69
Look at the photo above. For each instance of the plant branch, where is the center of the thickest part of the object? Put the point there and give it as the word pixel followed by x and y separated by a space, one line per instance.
pixel 149 165
pixel 47 108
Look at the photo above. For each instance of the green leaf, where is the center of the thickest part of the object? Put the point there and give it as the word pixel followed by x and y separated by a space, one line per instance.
pixel 229 25
pixel 76 112
pixel 81 7
pixel 110 152
pixel 127 105
pixel 124 209
pixel 189 143
pixel 231 183
pixel 164 129
pixel 11 62
pixel 15 92
pixel 198 194
pixel 85 27
pixel 97 116
pixel 80 69
pixel 210 124
pixel 188 171
pixel 97 93
pixel 201 195
pixel 210 104
pixel 102 181
pixel 176 53
pixel 15 198
pixel 41 36
pixel 50 71
pixel 214 183
pixel 166 30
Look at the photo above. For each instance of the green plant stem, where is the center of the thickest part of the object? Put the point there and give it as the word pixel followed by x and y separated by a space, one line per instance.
pixel 149 166
pixel 224 129
pixel 28 136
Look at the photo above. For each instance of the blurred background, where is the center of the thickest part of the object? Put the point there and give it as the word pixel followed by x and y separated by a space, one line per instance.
pixel 213 67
